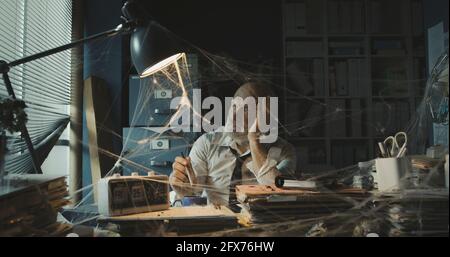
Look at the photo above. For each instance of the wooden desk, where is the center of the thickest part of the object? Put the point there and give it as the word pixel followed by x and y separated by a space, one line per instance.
pixel 175 221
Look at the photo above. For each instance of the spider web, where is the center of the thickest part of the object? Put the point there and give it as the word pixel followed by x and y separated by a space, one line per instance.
pixel 418 211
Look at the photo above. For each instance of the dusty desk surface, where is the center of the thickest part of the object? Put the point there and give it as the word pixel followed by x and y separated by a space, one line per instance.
pixel 175 221
pixel 405 213
pixel 177 213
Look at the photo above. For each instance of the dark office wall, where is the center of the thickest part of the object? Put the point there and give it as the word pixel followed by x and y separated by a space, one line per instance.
pixel 242 29
pixel 104 59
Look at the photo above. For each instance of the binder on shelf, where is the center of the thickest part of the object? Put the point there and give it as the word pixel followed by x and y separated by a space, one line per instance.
pixel 332 79
pixel 299 79
pixel 417 21
pixel 345 48
pixel 314 20
pixel 345 8
pixel 341 79
pixel 353 77
pixel 363 78
pixel 333 16
pixel 382 119
pixel 360 153
pixel 319 79
pixel 295 21
pixel 305 49
pixel 337 126
pixel 388 17
pixel 337 156
pixel 388 47
pixel 358 21
pixel 346 16
pixel 349 155
pixel 293 118
pixel 375 22
pixel 419 73
pixel 345 44
pixel 356 118
pixel 300 18
pixel 402 115
pixel 312 119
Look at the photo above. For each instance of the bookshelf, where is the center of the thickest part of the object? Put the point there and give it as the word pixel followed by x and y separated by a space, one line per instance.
pixel 354 71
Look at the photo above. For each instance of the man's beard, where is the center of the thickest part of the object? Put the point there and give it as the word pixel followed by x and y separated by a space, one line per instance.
pixel 241 138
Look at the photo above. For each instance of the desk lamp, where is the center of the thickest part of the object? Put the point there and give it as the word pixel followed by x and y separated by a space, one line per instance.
pixel 152 48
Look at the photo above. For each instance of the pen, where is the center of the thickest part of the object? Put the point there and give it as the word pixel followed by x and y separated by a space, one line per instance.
pixel 189 169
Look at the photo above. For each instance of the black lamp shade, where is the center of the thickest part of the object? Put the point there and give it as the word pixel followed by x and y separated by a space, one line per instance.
pixel 151 45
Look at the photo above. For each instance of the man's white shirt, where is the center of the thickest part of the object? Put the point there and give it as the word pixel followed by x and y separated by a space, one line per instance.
pixel 213 163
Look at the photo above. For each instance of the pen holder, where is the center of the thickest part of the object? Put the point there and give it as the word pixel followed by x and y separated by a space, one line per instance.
pixel 392 173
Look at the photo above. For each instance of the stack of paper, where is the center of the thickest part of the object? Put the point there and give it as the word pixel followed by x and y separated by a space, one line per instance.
pixel 416 213
pixel 269 204
pixel 180 220
pixel 29 205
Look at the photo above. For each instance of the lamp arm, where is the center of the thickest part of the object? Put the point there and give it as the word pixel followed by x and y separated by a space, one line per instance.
pixel 123 28
pixel 126 27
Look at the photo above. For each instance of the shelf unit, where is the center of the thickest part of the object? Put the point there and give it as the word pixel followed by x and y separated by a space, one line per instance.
pixel 327 32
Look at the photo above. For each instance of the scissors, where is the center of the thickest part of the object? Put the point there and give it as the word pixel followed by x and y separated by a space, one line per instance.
pixel 396 145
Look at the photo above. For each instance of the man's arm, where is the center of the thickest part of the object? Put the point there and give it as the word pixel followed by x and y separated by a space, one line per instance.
pixel 198 161
pixel 267 165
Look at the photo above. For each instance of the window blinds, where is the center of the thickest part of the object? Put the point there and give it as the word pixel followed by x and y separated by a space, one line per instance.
pixel 28 27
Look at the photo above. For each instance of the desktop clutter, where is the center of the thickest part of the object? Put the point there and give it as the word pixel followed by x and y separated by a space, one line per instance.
pixel 411 191
pixel 394 170
pixel 141 206
pixel 406 192
pixel 406 195
pixel 29 205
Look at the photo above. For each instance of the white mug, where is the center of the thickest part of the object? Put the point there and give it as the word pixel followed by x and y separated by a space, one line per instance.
pixel 392 173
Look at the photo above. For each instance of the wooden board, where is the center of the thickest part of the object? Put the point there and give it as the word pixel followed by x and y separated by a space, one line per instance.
pixel 177 213
pixel 97 107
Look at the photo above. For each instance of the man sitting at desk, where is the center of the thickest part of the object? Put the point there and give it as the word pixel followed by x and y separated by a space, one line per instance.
pixel 221 160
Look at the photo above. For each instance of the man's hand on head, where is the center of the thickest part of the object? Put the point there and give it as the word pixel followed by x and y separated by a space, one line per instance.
pixel 253 130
